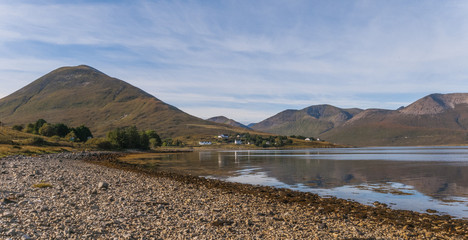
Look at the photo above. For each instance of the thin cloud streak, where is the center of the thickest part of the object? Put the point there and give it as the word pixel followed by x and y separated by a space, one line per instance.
pixel 272 54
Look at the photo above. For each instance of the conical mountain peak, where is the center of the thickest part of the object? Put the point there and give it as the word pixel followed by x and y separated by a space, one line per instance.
pixel 84 95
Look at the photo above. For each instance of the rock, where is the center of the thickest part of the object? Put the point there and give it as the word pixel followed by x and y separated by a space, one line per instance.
pixel 166 206
pixel 103 185
pixel 11 232
pixel 7 215
pixel 6 201
pixel 25 237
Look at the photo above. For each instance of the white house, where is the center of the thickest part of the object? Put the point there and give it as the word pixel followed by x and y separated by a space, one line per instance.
pixel 204 143
pixel 223 136
pixel 307 139
pixel 237 142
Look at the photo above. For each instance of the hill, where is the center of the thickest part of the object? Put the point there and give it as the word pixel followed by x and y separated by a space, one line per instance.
pixel 310 121
pixel 437 119
pixel 83 95
pixel 227 121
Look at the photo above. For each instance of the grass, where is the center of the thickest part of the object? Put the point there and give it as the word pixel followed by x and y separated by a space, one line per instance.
pixel 14 142
pixel 42 185
pixel 8 150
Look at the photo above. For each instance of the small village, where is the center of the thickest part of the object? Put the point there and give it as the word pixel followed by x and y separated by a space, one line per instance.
pixel 255 140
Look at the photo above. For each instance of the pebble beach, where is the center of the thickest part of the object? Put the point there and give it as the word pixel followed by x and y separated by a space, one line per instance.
pixel 89 196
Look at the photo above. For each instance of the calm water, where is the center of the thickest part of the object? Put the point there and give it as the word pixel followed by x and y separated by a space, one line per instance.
pixel 412 178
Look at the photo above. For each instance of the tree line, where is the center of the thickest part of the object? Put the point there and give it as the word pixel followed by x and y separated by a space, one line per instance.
pixel 131 138
pixel 118 138
pixel 43 128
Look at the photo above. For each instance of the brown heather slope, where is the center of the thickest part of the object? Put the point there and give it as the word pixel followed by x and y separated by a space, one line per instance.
pixel 84 95
pixel 437 119
pixel 310 121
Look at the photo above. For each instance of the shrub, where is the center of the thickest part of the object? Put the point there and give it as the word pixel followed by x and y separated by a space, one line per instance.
pixel 37 141
pixel 154 143
pixel 18 127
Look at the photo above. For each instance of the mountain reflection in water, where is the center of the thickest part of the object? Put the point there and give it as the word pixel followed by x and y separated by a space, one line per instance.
pixel 413 178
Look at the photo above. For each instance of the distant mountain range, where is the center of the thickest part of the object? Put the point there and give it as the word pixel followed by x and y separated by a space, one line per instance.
pixel 83 95
pixel 437 119
pixel 310 121
pixel 227 121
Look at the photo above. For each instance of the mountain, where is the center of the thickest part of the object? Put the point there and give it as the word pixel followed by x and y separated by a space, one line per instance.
pixel 83 95
pixel 310 121
pixel 227 121
pixel 436 103
pixel 437 119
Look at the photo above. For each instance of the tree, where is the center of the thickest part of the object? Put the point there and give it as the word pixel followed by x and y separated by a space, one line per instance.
pixel 61 129
pixel 29 128
pixel 38 125
pixel 155 140
pixel 47 130
pixel 279 142
pixel 82 133
pixel 117 137
pixel 144 141
pixel 133 137
pixel 130 137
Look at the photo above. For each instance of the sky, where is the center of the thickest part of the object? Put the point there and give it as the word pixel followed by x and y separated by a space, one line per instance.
pixel 246 60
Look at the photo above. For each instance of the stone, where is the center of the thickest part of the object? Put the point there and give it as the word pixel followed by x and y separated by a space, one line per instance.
pixel 103 185
pixel 141 206
pixel 7 201
pixel 25 237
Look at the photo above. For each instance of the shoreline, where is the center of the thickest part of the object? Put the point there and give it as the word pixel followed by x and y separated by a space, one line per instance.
pixel 330 204
pixel 179 205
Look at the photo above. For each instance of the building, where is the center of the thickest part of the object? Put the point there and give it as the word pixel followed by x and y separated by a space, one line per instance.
pixel 202 143
pixel 223 136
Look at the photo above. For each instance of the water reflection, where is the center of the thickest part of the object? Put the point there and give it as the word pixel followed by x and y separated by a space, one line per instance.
pixel 434 178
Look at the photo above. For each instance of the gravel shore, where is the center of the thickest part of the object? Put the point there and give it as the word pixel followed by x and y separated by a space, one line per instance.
pixel 60 196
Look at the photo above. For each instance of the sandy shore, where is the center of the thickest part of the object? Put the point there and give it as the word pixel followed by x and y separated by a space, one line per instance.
pixel 80 200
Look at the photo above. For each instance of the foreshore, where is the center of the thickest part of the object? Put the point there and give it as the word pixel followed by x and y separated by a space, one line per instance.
pixel 94 196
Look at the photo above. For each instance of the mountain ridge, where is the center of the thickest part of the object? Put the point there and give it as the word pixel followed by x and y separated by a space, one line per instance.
pixel 84 95
pixel 436 119
pixel 227 121
pixel 309 121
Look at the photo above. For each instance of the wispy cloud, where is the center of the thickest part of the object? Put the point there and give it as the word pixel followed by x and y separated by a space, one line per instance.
pixel 246 59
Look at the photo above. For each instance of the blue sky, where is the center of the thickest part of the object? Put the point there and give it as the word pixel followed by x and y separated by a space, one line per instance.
pixel 246 60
